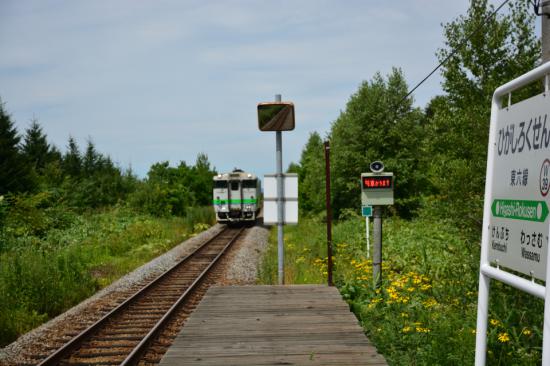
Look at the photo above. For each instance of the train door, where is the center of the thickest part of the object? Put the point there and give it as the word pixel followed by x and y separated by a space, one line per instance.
pixel 250 197
pixel 220 199
pixel 235 199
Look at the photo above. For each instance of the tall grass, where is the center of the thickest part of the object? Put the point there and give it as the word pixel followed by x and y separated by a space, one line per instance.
pixel 43 274
pixel 425 311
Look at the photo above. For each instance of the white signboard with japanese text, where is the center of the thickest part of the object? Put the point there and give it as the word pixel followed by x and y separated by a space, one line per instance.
pixel 518 224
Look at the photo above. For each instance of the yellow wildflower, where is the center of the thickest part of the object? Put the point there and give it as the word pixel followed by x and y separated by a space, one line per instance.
pixel 406 329
pixel 526 332
pixel 430 302
pixel 494 322
pixel 503 337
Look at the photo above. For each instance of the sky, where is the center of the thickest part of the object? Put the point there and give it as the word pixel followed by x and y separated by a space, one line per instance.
pixel 150 81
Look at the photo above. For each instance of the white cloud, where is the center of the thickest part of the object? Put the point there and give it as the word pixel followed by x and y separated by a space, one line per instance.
pixel 156 80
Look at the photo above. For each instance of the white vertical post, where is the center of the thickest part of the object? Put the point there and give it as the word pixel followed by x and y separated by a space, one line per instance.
pixel 280 203
pixel 545 41
pixel 546 329
pixel 484 280
pixel 367 232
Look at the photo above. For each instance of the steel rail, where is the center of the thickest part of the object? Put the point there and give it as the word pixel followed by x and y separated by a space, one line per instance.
pixel 134 357
pixel 69 347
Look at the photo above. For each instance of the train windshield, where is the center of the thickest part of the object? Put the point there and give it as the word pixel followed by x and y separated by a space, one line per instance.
pixel 234 186
pixel 249 183
pixel 220 184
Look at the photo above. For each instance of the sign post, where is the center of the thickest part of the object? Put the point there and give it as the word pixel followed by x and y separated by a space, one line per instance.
pixel 515 215
pixel 329 213
pixel 278 117
pixel 376 191
pixel 366 211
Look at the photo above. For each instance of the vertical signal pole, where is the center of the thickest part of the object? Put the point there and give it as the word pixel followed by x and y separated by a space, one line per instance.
pixel 329 213
pixel 377 247
pixel 280 207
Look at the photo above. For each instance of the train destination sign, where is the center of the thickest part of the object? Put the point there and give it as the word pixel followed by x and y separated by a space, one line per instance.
pixel 518 222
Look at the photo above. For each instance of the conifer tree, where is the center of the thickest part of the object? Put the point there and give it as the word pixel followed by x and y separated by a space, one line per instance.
pixel 15 173
pixel 72 160
pixel 35 147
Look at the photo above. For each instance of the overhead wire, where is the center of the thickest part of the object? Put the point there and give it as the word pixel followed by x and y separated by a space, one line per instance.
pixel 453 52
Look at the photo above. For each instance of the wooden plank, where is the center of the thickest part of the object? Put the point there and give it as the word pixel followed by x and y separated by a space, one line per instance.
pixel 272 325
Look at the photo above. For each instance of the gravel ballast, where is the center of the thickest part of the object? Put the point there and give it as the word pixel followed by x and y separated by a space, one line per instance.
pixel 246 258
pixel 242 268
pixel 93 308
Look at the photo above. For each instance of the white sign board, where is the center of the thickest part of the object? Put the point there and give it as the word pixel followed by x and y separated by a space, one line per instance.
pixel 290 199
pixel 515 212
pixel 518 223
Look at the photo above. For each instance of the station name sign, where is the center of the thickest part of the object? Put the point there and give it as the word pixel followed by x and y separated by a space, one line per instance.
pixel 518 221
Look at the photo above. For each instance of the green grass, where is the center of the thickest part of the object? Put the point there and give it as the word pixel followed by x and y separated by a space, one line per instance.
pixel 425 311
pixel 44 273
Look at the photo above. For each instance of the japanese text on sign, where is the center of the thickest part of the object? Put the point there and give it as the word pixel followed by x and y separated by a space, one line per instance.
pixel 532 135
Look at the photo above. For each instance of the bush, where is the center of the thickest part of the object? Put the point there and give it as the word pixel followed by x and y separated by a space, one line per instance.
pixel 425 311
pixel 44 272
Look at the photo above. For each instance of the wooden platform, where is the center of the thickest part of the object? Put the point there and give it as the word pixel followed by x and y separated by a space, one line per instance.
pixel 272 325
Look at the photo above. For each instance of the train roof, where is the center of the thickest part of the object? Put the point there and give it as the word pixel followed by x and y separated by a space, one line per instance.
pixel 236 174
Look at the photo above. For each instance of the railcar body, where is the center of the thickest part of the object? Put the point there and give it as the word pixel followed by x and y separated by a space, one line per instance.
pixel 236 197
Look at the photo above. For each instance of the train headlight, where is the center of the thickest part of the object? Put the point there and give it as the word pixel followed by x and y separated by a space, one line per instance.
pixel 223 208
pixel 248 208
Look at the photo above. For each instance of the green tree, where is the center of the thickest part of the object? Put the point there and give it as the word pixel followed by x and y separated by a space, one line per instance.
pixel 458 122
pixel 378 124
pixel 36 148
pixel 92 160
pixel 293 168
pixel 15 172
pixel 311 175
pixel 201 180
pixel 72 160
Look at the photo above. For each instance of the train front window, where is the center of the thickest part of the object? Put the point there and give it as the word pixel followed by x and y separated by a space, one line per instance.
pixel 249 183
pixel 220 184
pixel 234 186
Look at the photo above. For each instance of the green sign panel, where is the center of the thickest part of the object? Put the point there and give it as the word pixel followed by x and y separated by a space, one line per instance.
pixel 366 211
pixel 520 210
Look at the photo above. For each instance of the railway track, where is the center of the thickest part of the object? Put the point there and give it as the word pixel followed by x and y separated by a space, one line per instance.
pixel 128 334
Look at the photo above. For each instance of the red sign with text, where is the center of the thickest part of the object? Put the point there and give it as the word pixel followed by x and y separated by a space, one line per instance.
pixel 382 182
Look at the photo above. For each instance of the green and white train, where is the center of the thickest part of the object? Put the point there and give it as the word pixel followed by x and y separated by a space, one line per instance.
pixel 236 197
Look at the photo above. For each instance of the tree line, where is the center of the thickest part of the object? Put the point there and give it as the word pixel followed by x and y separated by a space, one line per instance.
pixel 83 179
pixel 438 153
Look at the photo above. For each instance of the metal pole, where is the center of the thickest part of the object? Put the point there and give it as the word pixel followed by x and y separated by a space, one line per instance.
pixel 546 326
pixel 280 207
pixel 368 239
pixel 377 247
pixel 329 213
pixel 545 30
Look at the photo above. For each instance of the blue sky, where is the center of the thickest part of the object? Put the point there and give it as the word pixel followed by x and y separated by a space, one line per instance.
pixel 150 81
